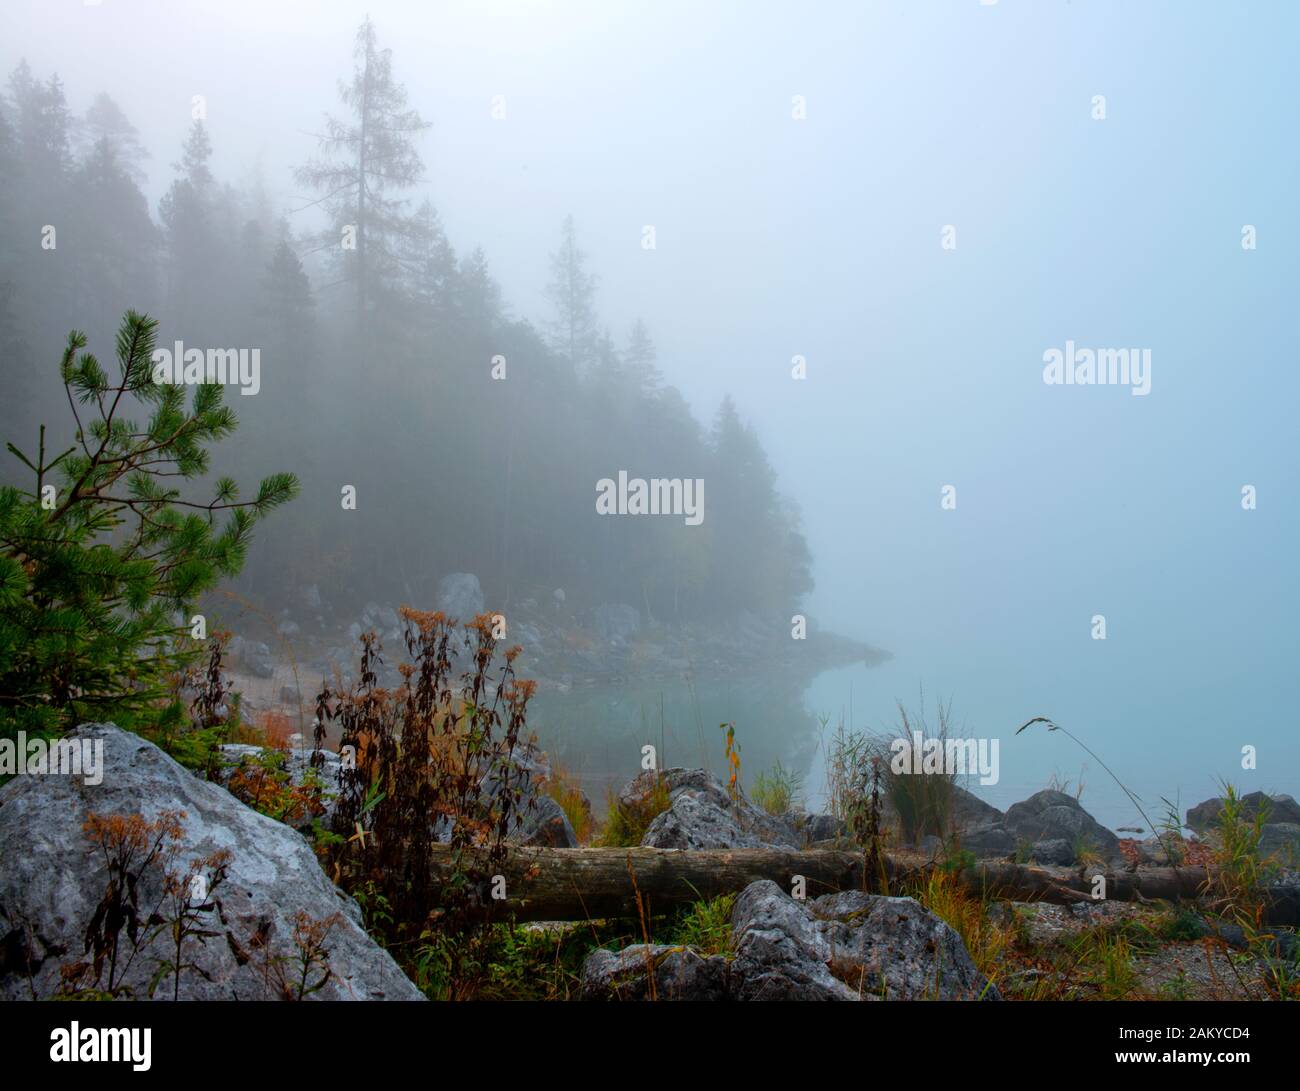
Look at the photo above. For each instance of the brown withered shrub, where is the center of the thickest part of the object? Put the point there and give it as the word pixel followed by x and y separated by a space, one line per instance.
pixel 149 896
pixel 433 761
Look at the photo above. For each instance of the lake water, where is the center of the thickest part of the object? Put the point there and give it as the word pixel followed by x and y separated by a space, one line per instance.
pixel 1172 752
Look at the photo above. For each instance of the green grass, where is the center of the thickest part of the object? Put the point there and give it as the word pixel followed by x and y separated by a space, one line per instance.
pixel 777 790
pixel 705 925
pixel 625 825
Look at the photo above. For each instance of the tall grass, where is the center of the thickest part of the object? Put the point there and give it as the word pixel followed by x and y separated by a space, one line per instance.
pixel 920 802
pixel 941 891
pixel 777 790
pixel 567 792
pixel 626 823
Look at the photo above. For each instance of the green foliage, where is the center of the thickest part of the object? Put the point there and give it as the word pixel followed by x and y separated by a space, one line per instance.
pixel 512 962
pixel 921 801
pixel 1180 925
pixel 1241 874
pixel 626 823
pixel 1176 988
pixel 705 925
pixel 1105 961
pixel 777 790
pixel 101 559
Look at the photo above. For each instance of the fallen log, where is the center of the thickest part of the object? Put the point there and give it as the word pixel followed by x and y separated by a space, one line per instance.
pixel 593 883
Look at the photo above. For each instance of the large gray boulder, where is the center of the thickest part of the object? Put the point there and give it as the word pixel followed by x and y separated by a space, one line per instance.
pixel 1054 816
pixel 460 596
pixel 702 815
pixel 52 878
pixel 846 946
pixel 969 811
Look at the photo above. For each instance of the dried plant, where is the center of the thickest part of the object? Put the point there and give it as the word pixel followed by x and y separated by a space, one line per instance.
pixel 139 856
pixel 429 762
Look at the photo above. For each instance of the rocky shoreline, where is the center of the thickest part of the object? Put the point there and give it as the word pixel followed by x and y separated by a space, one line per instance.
pixel 564 647
pixel 778 932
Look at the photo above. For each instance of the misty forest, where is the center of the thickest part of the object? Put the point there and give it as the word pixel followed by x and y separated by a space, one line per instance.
pixel 331 576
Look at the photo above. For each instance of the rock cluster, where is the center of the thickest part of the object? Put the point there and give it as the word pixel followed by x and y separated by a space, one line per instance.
pixel 846 946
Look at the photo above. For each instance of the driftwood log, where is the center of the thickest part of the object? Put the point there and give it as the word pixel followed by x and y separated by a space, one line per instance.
pixel 543 884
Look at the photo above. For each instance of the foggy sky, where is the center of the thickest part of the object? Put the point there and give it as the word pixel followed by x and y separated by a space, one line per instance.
pixel 821 237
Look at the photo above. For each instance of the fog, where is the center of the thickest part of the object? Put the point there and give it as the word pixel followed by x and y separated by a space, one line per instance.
pixel 919 200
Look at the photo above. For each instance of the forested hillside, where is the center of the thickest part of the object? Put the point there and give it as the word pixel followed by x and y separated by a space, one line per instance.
pixel 474 436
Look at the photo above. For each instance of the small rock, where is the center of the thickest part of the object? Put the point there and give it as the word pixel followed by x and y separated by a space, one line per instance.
pixel 253 656
pixel 1052 853
pixel 545 824
pixel 679 973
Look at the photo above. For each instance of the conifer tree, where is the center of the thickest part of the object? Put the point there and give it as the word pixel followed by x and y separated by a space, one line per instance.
pixel 639 361
pixel 479 294
pixel 187 214
pixel 367 159
pixel 43 123
pixel 286 309
pixel 104 121
pixel 572 291
pixel 102 559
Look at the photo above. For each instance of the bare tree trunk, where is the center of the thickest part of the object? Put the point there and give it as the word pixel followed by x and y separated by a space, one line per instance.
pixel 581 884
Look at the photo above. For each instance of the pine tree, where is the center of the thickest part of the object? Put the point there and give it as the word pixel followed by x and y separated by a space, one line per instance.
pixel 43 124
pixel 479 295
pixel 573 292
pixel 101 558
pixel 287 309
pixel 116 240
pixel 368 158
pixel 639 361
pixel 187 211
pixel 104 121
pixel 430 261
pixel 742 506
